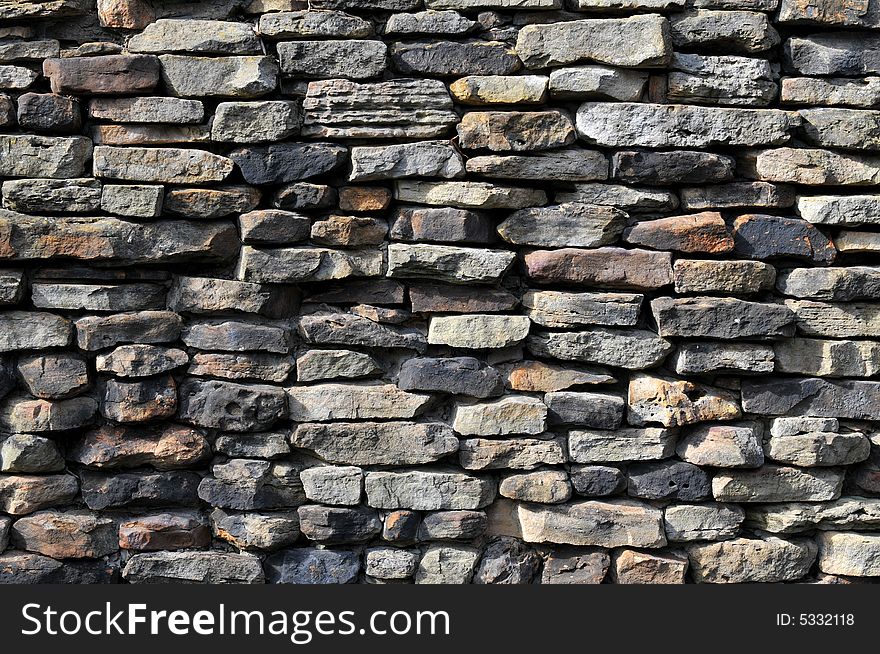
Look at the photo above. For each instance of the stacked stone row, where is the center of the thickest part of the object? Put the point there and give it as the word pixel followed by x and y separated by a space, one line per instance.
pixel 453 291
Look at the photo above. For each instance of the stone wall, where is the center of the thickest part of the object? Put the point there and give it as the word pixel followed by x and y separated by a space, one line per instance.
pixel 489 291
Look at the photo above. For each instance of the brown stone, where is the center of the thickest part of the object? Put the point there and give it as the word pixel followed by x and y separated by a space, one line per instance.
pixel 70 535
pixel 608 266
pixel 116 74
pixel 125 14
pixel 701 232
pixel 169 530
pixel 635 567
pixel 164 447
pixel 364 198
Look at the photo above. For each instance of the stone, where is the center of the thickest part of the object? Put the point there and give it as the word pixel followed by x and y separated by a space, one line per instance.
pixel 255 122
pixel 743 32
pixel 58 157
pixel 262 367
pixel 616 523
pixel 211 203
pixel 516 131
pixel 406 108
pixel 507 561
pixel 633 349
pixel 847 553
pixel 839 53
pixel 737 194
pixel 350 58
pixel 538 376
pixel 566 225
pixel 246 484
pixel 234 77
pixel 470 5
pixel 24 414
pixel 730 277
pixel 364 198
pixel 349 231
pixel 768 237
pixel 125 14
pixel 147 110
pixel 99 332
pixel 296 264
pixel 230 406
pixel 839 210
pixel 350 329
pixel 98 297
pixel 27 568
pixel 639 124
pixel 352 401
pixel 288 162
pixel 426 297
pixel 625 198
pixel 306 565
pixel 447 58
pixel 500 89
pixel 11 286
pixel 668 480
pixel 256 531
pixel 856 242
pixel 66 535
pixel 428 490
pixel 163 165
pixel 855 513
pixel 571 164
pixel 428 22
pixel 452 525
pixel 30 50
pixel 315 365
pixel 674 403
pixel 441 224
pixel 102 490
pixel 723 446
pixel 772 483
pixel 48 112
pixel 861 92
pixel 53 376
pixel 389 563
pixel 112 74
pixel 326 524
pixel 166 530
pixel 724 80
pixel 204 295
pixel 701 232
pixel 376 443
pixel 139 401
pixel 478 331
pixel 597 481
pixel 5 525
pixel 273 227
pixel 840 284
pixel 620 445
pixel 16 77
pixel 827 358
pixel 545 487
pixel 164 447
pixel 575 566
pixel 137 201
pixel 50 195
pixel 848 13
pixel 610 267
pixel 593 82
pixel 813 166
pixel 674 167
pixel 333 484
pixel 446 564
pixel 237 335
pixel 841 128
pixel 193 568
pixel 597 410
pixel 24 453
pixel 695 522
pixel 23 494
pixel 447 263
pixel 513 453
pixel 720 318
pixel 468 195
pixel 422 159
pixel 301 24
pixel 638 41
pixel 266 445
pixel 811 397
pixel 509 415
pixel 751 560
pixel 192 35
pixel 400 526
pixel 635 567
pixel 818 448
pixel 455 375
pixel 303 195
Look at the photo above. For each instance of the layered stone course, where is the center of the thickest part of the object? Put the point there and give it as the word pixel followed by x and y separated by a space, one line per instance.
pixel 441 292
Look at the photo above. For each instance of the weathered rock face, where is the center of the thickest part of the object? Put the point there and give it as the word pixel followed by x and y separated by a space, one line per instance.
pixel 454 291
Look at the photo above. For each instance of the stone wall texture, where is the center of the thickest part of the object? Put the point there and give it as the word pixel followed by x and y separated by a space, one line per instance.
pixel 439 291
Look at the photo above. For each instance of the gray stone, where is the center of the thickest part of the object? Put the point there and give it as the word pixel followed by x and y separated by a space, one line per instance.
pixel 620 445
pixel 101 490
pixel 720 318
pixel 565 225
pixel 744 32
pixel 723 446
pixel 846 513
pixel 256 531
pixel 52 195
pixel 350 329
pixel 818 448
pixel 468 195
pixel 674 167
pixel 333 401
pixel 265 445
pixel 839 284
pixel 606 267
pixel 246 484
pixel 442 224
pixel 139 401
pixel 772 483
pixel 428 22
pixel 447 564
pixel 560 309
pixel 597 410
pixel 836 320
pixel 725 80
pixel 164 165
pixel 839 210
pixel 24 414
pixel 455 375
pixel 23 494
pixel 848 13
pixel 331 524
pixel 737 194
pixel 628 124
pixel 190 35
pixel 812 166
pixel 668 480
pixel 287 162
pixel 428 490
pixel 306 565
pixel 828 358
pixel 729 277
pixel 255 122
pixel 12 284
pixel 838 53
pixel 297 264
pixel 633 349
pixel 376 443
pixel 237 335
pixel 235 77
pixel 507 561
pixel 859 92
pixel 571 164
pixel 66 535
pixel 58 157
pixel 625 198
pixel 853 129
pixel 53 376
pixel 509 415
pixel 137 201
pixel 630 42
pixel 598 83
pixel 406 108
pixel 542 486
pixel 98 332
pixel 811 397
pixel 478 331
pixel 24 330
pixel 843 553
pixel 333 484
pixel 229 406
pixel 16 78
pixel 453 525
pixel 24 453
pixel 98 297
pixel 423 159
pixel 389 563
pixel 517 131
pixel 304 24
pixel 695 522
pixel 193 568
pixel 147 110
pixel 513 453
pixel 446 58
pixel 350 58
pixel 575 566
pixel 597 481
pixel 751 560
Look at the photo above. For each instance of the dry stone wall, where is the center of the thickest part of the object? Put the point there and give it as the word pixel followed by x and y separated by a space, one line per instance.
pixel 487 291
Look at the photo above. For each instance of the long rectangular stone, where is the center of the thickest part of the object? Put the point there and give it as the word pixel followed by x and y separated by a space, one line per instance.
pixel 839 53
pixel 163 165
pixel 813 167
pixel 850 320
pixel 620 445
pixel 839 209
pixel 299 264
pixel 602 267
pixel 628 124
pixel 810 396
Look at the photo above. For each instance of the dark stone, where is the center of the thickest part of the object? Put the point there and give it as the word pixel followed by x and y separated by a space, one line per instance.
pixel 675 167
pixel 448 58
pixel 446 225
pixel 597 410
pixel 448 298
pixel 287 162
pixel 456 375
pixel 231 407
pixel 305 565
pixel 453 525
pixel 401 526
pixel 45 112
pixel 661 481
pixel 27 568
pixel 507 561
pixel 768 237
pixel 148 489
pixel 334 524
pixel 597 481
pixel 821 398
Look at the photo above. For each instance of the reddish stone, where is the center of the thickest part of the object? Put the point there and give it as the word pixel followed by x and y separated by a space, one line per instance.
pixel 611 267
pixel 700 232
pixel 105 74
pixel 364 198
